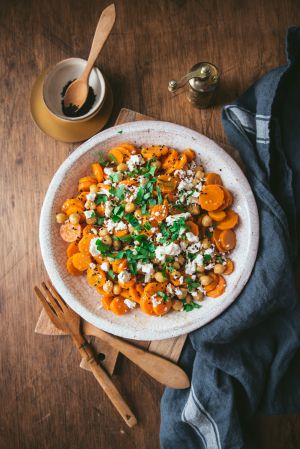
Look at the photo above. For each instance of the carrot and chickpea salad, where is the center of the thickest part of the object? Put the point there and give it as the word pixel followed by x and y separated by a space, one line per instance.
pixel 150 228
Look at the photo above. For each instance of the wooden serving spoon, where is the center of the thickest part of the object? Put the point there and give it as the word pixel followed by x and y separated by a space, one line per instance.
pixel 76 94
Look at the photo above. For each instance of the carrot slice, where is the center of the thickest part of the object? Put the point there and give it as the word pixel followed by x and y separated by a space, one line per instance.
pixel 213 178
pixel 139 289
pixel 121 233
pixel 98 172
pixel 154 151
pixel 106 301
pixel 160 212
pixel 217 215
pixel 69 232
pixel 230 221
pixel 71 269
pixel 82 196
pixel 118 306
pixel 227 198
pixel 128 182
pixel 85 183
pixel 72 248
pixel 146 305
pixel 116 156
pixel 73 202
pixel 166 183
pixel 190 154
pixel 127 284
pixel 154 287
pixel 211 197
pixel 213 284
pixel 119 265
pixel 81 261
pixel 216 240
pixel 163 307
pixel 96 277
pixel 194 228
pixel 169 163
pixel 228 239
pixel 229 267
pixel 84 244
pixel 181 162
pixel 219 290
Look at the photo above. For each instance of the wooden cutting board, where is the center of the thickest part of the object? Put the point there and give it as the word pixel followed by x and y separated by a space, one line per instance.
pixel 170 348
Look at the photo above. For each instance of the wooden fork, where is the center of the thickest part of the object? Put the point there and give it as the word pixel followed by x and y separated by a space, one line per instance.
pixel 162 370
pixel 68 321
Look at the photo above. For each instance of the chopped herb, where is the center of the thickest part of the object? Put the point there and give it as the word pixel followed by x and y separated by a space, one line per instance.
pixel 206 258
pixel 111 274
pixel 117 214
pixel 159 195
pixel 133 221
pixel 208 233
pixel 191 306
pixel 139 196
pixel 100 220
pixel 120 192
pixel 164 296
pixel 124 238
pixel 147 226
pixel 102 160
pixel 100 199
pixel 115 177
pixel 112 158
pixel 104 249
pixel 120 132
pixel 220 260
pixel 144 209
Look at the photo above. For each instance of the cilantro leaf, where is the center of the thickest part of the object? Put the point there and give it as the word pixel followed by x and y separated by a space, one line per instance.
pixel 100 220
pixel 191 306
pixel 100 199
pixel 111 274
pixel 159 195
pixel 102 160
pixel 133 221
pixel 139 196
pixel 115 177
pixel 206 258
pixel 102 247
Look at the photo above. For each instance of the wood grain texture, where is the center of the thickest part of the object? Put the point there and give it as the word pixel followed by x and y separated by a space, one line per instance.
pixel 46 402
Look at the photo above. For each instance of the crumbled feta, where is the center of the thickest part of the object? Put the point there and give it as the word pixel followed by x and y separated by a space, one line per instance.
pixel 130 304
pixel 124 276
pixel 110 225
pixel 170 288
pixel 192 238
pixel 108 209
pixel 142 180
pixel 105 266
pixel 91 196
pixel 93 247
pixel 134 161
pixel 121 226
pixel 155 301
pixel 185 185
pixel 209 266
pixel 209 251
pixel 92 265
pixel 108 170
pixel 181 279
pixel 190 267
pixel 195 248
pixel 167 250
pixel 146 268
pixel 171 218
pixel 89 214
pixel 103 191
pixel 107 182
pixel 199 259
pixel 178 292
pixel 94 231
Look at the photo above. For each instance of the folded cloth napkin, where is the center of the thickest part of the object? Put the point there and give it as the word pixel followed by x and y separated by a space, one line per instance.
pixel 247 360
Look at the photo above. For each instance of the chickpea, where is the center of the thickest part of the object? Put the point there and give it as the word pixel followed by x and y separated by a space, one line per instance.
pixel 93 188
pixel 177 305
pixel 116 245
pixel 122 167
pixel 61 217
pixel 107 240
pixel 206 221
pixel 199 172
pixel 159 277
pixel 176 265
pixel 194 209
pixel 200 268
pixel 195 181
pixel 206 243
pixel 188 299
pixel 198 297
pixel 116 289
pixel 103 232
pixel 181 260
pixel 91 220
pixel 108 286
pixel 138 214
pixel 205 280
pixel 130 207
pixel 219 268
pixel 74 218
pixel 182 294
pixel 175 274
pixel 90 205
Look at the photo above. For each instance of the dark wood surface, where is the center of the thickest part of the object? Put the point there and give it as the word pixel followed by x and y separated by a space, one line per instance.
pixel 46 400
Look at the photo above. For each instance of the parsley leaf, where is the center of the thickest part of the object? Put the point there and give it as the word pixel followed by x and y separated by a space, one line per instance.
pixel 206 258
pixel 104 249
pixel 100 220
pixel 120 192
pixel 111 274
pixel 133 221
pixel 163 295
pixel 115 177
pixel 100 199
pixel 139 196
pixel 191 306
pixel 159 195
pixel 102 160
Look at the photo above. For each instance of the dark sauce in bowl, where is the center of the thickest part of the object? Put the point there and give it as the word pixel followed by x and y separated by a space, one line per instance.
pixel 71 110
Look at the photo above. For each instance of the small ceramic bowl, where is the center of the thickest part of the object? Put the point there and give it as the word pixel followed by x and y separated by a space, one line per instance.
pixel 63 72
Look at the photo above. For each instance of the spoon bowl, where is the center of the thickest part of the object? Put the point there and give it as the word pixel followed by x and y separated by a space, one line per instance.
pixel 76 94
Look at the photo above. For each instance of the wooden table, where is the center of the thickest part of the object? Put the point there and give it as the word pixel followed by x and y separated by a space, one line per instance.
pixel 46 400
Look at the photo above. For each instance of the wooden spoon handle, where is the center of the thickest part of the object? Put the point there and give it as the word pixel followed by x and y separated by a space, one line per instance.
pixel 104 27
pixel 106 383
pixel 164 371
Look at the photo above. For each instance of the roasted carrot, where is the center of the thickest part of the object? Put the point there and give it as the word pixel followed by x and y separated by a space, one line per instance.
pixel 228 239
pixel 69 232
pixel 211 197
pixel 230 221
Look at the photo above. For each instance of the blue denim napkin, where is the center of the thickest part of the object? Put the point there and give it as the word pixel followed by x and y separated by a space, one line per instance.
pixel 247 360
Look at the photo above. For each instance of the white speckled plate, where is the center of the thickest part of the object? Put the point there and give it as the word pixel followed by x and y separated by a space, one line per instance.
pixel 84 299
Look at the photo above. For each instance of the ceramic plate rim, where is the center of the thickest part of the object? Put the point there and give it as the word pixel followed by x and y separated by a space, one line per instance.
pixel 46 216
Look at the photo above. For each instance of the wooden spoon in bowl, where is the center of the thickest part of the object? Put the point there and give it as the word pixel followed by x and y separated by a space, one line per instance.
pixel 76 94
